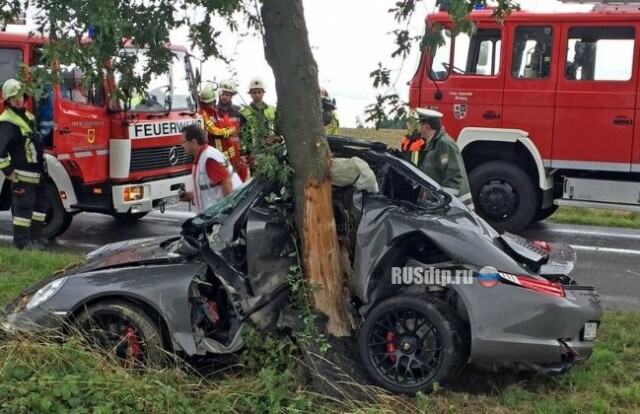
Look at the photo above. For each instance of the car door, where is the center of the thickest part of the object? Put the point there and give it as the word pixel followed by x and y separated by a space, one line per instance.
pixel 596 97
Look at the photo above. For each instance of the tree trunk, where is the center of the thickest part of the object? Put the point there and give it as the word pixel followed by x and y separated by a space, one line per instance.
pixel 289 54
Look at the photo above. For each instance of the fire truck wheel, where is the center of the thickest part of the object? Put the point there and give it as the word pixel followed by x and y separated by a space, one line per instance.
pixel 503 195
pixel 58 220
pixel 545 213
pixel 129 217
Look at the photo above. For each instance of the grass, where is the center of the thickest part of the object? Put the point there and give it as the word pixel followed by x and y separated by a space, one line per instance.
pixel 37 376
pixel 565 215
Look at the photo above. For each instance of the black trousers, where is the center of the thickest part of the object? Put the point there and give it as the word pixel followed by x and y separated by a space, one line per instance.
pixel 29 205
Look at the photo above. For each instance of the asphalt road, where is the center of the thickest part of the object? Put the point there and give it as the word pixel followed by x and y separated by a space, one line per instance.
pixel 608 258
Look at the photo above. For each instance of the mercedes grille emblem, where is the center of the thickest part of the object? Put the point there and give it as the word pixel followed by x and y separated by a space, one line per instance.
pixel 173 156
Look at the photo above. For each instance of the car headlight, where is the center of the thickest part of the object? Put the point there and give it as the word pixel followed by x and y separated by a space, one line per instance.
pixel 45 293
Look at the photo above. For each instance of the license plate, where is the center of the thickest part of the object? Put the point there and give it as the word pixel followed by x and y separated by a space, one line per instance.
pixel 590 329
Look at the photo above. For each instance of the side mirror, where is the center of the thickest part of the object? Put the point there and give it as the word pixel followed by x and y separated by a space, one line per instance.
pixel 198 76
pixel 483 55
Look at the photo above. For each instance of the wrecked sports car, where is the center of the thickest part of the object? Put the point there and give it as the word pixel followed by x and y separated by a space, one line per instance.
pixel 426 304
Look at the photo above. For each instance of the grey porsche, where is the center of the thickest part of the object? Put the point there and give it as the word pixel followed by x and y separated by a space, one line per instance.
pixel 434 287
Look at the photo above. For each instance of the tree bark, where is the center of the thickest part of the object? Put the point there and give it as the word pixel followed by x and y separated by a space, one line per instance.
pixel 289 54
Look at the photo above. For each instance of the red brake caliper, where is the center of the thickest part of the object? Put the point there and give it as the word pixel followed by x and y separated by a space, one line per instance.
pixel 391 347
pixel 133 342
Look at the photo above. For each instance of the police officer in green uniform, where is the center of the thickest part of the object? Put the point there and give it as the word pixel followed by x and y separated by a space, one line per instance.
pixel 442 159
pixel 22 162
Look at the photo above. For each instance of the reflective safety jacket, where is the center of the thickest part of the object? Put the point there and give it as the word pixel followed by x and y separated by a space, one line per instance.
pixel 260 121
pixel 21 147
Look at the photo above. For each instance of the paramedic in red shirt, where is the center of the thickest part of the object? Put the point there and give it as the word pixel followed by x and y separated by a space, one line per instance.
pixel 213 175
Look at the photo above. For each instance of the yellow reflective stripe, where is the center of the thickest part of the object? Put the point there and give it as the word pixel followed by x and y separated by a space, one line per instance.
pixel 27 176
pixel 38 216
pixel 414 156
pixel 5 162
pixel 21 222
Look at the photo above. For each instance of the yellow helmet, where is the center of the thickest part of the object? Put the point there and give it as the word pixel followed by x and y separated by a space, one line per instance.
pixel 256 83
pixel 208 94
pixel 11 88
pixel 228 86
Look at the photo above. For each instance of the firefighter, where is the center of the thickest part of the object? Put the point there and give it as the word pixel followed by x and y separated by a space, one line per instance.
pixel 329 115
pixel 260 117
pixel 22 162
pixel 230 120
pixel 413 144
pixel 442 160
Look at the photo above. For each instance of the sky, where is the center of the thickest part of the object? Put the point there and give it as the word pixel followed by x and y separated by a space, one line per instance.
pixel 348 38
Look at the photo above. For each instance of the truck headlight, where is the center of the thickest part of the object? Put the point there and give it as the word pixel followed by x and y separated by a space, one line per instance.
pixel 45 293
pixel 134 193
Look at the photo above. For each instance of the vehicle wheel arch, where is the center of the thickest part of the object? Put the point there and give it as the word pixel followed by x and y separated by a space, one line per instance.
pixel 511 145
pixel 397 255
pixel 145 306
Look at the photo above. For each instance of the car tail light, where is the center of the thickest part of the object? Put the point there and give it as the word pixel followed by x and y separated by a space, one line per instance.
pixel 537 285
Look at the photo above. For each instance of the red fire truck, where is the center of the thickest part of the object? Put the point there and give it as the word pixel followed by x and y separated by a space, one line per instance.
pixel 101 158
pixel 545 108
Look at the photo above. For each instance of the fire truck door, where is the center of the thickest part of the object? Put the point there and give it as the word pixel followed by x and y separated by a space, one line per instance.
pixel 82 135
pixel 470 79
pixel 530 82
pixel 596 97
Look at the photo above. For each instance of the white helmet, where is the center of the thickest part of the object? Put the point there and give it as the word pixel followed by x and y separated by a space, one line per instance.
pixel 256 83
pixel 228 86
pixel 11 88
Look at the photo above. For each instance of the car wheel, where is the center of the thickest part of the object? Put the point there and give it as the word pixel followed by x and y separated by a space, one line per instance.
pixel 124 331
pixel 128 218
pixel 503 195
pixel 58 219
pixel 408 343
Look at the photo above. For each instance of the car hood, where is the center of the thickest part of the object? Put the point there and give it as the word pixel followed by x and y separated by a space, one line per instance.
pixel 129 252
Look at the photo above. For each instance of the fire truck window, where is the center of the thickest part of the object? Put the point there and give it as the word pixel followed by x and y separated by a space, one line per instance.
pixel 600 53
pixel 441 59
pixel 73 88
pixel 532 52
pixel 10 61
pixel 477 55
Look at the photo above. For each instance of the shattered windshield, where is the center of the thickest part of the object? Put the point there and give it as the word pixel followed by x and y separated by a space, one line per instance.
pixel 173 90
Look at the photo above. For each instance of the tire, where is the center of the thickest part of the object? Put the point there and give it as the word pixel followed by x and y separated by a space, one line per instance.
pixel 503 195
pixel 123 330
pixel 545 213
pixel 128 218
pixel 58 219
pixel 411 322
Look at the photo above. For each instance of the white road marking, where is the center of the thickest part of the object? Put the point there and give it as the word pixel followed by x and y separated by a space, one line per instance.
pixel 606 249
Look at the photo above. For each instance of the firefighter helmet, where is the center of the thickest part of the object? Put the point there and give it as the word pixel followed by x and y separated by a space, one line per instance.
pixel 228 86
pixel 11 88
pixel 208 94
pixel 256 83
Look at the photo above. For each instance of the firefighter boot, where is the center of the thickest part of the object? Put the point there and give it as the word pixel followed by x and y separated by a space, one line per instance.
pixel 21 236
pixel 37 241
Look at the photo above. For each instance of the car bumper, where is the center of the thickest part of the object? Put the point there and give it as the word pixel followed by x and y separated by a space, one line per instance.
pixel 156 194
pixel 513 327
pixel 36 320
